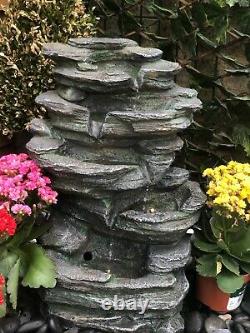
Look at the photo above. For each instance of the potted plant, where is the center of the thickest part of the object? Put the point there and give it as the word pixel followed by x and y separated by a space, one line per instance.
pixel 25 194
pixel 223 259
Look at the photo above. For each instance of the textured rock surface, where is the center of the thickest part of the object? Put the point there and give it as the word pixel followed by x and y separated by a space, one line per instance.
pixel 119 228
pixel 165 259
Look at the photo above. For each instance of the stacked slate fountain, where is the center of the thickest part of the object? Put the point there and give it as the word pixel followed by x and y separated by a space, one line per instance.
pixel 120 225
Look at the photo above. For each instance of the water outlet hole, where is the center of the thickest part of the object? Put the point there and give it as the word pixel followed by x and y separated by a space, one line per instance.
pixel 88 256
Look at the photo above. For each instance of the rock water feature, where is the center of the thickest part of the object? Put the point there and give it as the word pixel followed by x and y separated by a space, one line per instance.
pixel 118 234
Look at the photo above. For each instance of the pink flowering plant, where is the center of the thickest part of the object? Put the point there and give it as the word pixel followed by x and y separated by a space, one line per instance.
pixel 25 196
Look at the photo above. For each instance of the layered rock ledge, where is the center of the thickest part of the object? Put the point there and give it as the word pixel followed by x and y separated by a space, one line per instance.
pixel 119 230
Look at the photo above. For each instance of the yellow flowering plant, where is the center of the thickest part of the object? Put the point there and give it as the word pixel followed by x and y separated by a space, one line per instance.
pixel 224 244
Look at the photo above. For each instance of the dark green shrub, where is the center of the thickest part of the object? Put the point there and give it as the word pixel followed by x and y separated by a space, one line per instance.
pixel 24 72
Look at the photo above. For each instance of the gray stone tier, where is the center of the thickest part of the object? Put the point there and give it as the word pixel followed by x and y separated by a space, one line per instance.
pixel 84 290
pixel 115 169
pixel 73 238
pixel 123 116
pixel 72 52
pixel 165 259
pixel 109 143
pixel 119 322
pixel 151 216
pixel 100 70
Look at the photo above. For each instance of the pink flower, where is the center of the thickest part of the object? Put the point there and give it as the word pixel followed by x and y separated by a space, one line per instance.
pixel 34 175
pixel 21 209
pixel 22 182
pixel 5 205
pixel 47 195
pixel 47 180
pixel 30 185
pixel 17 193
pixel 23 156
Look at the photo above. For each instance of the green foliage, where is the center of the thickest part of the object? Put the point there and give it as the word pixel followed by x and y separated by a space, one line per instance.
pixel 3 309
pixel 223 252
pixel 12 284
pixel 40 270
pixel 29 264
pixel 229 282
pixel 24 262
pixel 210 39
pixel 231 3
pixel 241 136
pixel 7 261
pixel 24 72
pixel 207 265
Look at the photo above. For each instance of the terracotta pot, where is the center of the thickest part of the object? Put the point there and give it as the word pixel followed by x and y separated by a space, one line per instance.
pixel 208 293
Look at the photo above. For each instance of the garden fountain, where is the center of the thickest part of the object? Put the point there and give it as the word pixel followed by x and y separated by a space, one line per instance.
pixel 118 234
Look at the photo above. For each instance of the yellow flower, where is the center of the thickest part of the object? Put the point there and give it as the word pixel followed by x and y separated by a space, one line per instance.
pixel 229 189
pixel 208 172
pixel 244 193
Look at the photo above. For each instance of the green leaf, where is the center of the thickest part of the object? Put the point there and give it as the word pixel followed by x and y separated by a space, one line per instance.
pixel 3 307
pixel 12 283
pixel 218 19
pixel 3 310
pixel 190 43
pixel 40 271
pixel 199 14
pixel 241 136
pixel 232 3
pixel 221 28
pixel 239 247
pixel 221 223
pixel 243 3
pixel 230 264
pixel 228 282
pixel 206 41
pixel 171 13
pixel 223 245
pixel 213 10
pixel 207 265
pixel 242 23
pixel 245 267
pixel 22 235
pixel 185 19
pixel 206 246
pixel 245 98
pixel 216 229
pixel 178 29
pixel 240 72
pixel 7 262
